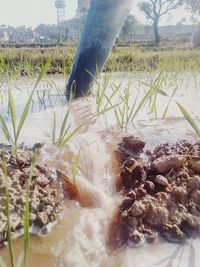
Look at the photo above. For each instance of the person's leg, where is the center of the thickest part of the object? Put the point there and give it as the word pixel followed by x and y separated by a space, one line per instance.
pixel 103 23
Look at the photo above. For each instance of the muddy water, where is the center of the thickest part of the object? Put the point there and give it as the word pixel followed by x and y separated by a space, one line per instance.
pixel 79 238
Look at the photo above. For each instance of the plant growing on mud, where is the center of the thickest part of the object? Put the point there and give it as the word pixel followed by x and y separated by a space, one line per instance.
pixel 13 137
pixel 104 101
pixel 125 111
pixel 155 88
pixel 65 135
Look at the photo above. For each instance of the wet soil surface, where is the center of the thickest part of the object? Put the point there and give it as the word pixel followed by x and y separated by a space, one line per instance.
pixel 161 193
pixel 45 193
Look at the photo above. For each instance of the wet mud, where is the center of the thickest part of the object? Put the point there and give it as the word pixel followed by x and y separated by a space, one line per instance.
pixel 46 188
pixel 161 191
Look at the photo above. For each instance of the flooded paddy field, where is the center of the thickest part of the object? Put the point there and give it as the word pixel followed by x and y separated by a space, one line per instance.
pixel 80 237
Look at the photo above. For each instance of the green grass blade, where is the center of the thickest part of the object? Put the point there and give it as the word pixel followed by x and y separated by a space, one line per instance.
pixel 44 70
pixel 92 76
pixel 189 119
pixel 112 107
pixel 106 109
pixel 68 138
pixel 168 104
pixel 142 102
pixel 24 116
pixel 5 129
pixel 12 109
pixel 101 98
pixel 117 119
pixel 3 64
pixel 9 235
pixel 153 106
pixel 75 167
pixel 123 112
pixel 146 84
pixel 2 262
pixel 27 212
pixel 20 260
pixel 65 133
pixel 64 123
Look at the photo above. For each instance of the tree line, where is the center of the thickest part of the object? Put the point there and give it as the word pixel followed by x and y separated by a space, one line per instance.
pixel 154 10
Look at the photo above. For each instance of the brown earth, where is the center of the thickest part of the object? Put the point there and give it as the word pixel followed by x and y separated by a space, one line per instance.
pixel 161 191
pixel 45 194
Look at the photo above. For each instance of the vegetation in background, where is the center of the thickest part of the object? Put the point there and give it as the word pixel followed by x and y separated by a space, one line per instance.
pixel 17 62
pixel 193 5
pixel 154 10
pixel 129 28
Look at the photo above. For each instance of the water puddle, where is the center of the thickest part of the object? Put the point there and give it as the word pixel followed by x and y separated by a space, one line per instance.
pixel 79 239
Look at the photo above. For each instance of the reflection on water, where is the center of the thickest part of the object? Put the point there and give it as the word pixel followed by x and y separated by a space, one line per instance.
pixel 79 239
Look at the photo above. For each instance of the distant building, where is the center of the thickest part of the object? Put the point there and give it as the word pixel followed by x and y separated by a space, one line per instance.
pixel 60 6
pixel 83 6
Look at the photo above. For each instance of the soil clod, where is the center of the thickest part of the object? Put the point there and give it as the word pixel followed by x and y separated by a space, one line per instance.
pixel 162 193
pixel 46 193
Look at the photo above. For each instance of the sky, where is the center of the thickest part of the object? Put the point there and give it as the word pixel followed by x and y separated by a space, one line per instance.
pixel 34 12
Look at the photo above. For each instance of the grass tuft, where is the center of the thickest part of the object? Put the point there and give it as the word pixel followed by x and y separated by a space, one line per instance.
pixel 65 134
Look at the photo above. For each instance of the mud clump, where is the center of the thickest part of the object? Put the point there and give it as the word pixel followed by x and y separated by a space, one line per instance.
pixel 45 198
pixel 161 194
pixel 130 146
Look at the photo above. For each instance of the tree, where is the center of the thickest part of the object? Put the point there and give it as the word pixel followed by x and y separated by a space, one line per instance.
pixel 194 6
pixel 129 27
pixel 155 9
pixel 47 32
